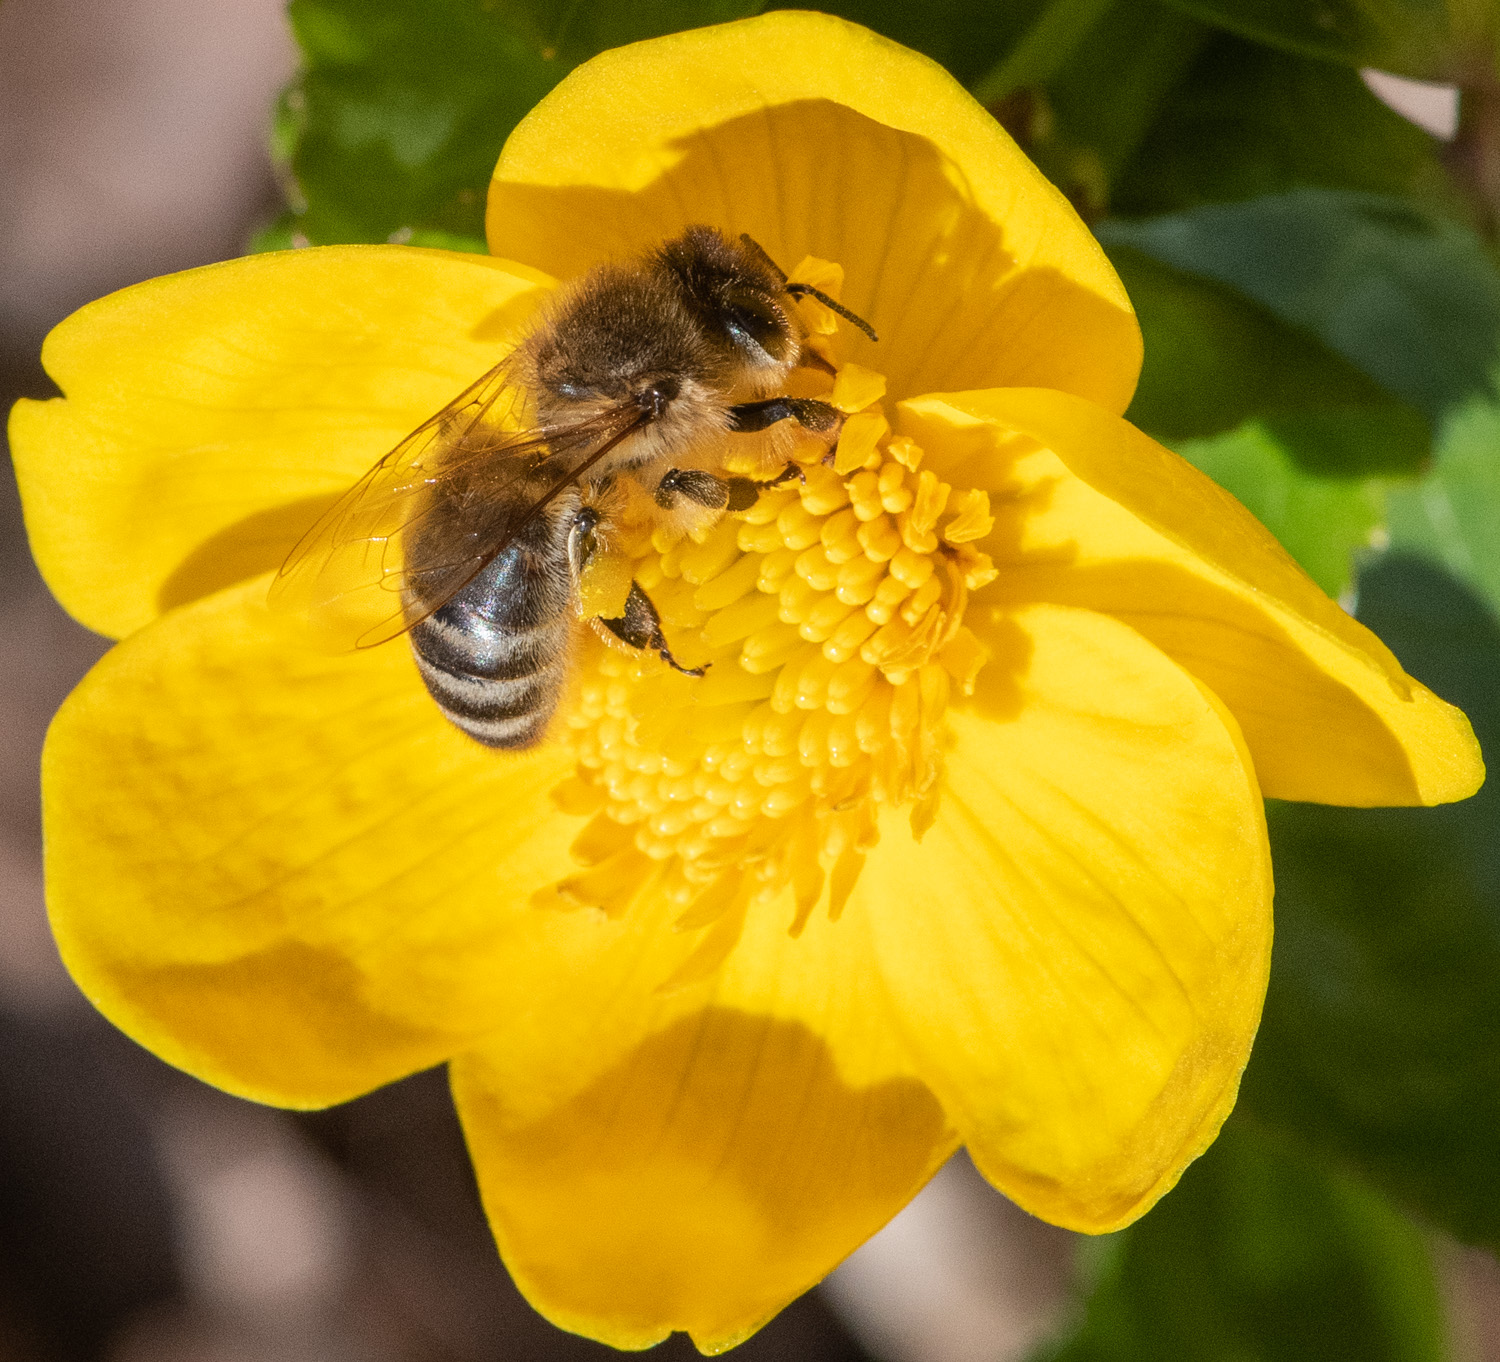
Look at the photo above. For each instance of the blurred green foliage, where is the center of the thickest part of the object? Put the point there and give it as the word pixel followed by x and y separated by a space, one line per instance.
pixel 967 36
pixel 1380 1046
pixel 1323 522
pixel 1260 1254
pixel 1216 358
pixel 1453 514
pixel 1409 37
pixel 1317 285
pixel 1247 120
pixel 1408 296
pixel 400 112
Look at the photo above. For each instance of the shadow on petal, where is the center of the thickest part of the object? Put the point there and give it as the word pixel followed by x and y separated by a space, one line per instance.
pixel 711 1176
pixel 932 271
pixel 256 544
pixel 293 1017
pixel 202 400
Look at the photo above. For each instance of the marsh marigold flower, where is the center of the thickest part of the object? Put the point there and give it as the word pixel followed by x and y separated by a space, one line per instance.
pixel 958 841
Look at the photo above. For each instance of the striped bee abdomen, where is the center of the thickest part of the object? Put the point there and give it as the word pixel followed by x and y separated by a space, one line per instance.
pixel 495 656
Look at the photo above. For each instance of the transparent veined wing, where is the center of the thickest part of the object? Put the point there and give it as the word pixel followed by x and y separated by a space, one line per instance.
pixel 434 511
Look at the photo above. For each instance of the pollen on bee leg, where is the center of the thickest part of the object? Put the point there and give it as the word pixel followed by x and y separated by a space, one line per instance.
pixel 604 584
pixel 831 615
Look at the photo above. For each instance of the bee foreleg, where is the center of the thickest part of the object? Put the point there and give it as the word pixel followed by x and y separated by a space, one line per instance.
pixel 792 470
pixel 807 412
pixel 745 492
pixel 716 493
pixel 702 489
pixel 640 627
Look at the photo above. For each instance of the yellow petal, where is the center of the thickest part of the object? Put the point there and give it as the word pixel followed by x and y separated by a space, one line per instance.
pixel 1091 512
pixel 285 872
pixel 818 137
pixel 694 1158
pixel 1078 948
pixel 211 416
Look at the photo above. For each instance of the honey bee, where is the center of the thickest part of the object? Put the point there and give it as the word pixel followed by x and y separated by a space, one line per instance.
pixel 471 535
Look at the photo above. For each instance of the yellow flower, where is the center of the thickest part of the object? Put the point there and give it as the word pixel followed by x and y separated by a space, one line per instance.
pixel 714 1010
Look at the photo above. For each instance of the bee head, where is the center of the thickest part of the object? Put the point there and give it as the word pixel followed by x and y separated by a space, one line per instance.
pixel 736 295
pixel 621 337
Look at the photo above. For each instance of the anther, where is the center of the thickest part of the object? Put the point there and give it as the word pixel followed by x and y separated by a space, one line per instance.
pixel 830 610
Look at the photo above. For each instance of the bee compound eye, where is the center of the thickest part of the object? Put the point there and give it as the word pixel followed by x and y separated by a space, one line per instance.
pixel 754 321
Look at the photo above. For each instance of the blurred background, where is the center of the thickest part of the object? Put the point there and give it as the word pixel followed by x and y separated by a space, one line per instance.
pixel 144 1216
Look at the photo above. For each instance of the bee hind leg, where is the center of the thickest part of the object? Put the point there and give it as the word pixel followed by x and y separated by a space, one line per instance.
pixel 640 627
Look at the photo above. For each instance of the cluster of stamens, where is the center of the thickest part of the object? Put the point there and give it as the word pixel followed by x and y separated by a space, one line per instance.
pixel 830 617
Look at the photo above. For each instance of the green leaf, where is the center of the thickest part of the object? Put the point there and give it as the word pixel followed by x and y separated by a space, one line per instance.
pixel 1074 106
pixel 1453 515
pixel 1407 296
pixel 1409 37
pixel 1380 1045
pixel 1260 1256
pixel 1322 522
pixel 1215 359
pixel 280 235
pixel 400 113
pixel 1107 105
pixel 1247 120
pixel 1043 49
pixel 1193 115
pixel 966 36
pixel 1295 431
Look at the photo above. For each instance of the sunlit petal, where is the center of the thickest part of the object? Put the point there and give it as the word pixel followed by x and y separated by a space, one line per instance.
pixel 1091 512
pixel 283 871
pixel 1078 948
pixel 209 417
pixel 819 137
pixel 693 1157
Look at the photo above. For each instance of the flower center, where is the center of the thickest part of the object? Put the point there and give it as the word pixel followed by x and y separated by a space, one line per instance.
pixel 830 617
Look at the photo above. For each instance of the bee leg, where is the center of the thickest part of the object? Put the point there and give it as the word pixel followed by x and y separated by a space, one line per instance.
pixel 745 492
pixel 792 470
pixel 692 484
pixel 807 412
pixel 581 539
pixel 716 493
pixel 640 627
pixel 719 494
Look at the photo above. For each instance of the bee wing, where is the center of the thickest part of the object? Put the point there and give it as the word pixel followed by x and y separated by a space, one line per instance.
pixel 433 512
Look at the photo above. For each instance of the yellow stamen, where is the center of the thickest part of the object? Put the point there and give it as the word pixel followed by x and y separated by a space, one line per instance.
pixel 830 616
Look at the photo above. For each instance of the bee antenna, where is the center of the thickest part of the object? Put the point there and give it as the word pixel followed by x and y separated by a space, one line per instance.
pixel 805 290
